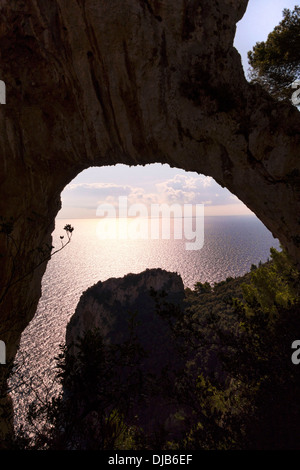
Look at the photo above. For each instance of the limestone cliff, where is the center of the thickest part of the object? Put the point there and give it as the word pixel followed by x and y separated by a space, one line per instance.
pixel 96 82
pixel 110 306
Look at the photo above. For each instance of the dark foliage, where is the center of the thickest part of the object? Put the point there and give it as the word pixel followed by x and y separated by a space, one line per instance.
pixel 238 387
pixel 275 62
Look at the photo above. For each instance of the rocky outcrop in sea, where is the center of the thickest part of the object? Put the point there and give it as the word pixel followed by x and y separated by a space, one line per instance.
pixel 145 307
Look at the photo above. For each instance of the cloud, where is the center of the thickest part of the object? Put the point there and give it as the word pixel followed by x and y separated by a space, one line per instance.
pixel 91 195
pixel 186 189
pixel 97 189
pixel 180 189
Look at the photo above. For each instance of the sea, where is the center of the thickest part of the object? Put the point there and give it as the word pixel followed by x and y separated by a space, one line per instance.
pixel 231 244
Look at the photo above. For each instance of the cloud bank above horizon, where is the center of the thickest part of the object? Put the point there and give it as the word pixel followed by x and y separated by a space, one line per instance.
pixel 80 199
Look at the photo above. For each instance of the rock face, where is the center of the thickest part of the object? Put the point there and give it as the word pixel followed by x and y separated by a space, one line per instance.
pixel 92 83
pixel 109 306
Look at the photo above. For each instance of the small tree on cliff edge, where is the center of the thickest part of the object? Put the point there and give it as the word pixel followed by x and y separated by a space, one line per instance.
pixel 44 253
pixel 275 63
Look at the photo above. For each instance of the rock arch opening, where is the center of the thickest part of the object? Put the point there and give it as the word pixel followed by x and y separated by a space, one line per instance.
pixel 234 239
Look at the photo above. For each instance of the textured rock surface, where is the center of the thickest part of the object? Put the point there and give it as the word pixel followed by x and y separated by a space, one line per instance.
pixel 92 83
pixel 110 307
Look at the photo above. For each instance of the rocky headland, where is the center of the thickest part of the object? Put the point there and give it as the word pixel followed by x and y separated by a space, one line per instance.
pixel 140 309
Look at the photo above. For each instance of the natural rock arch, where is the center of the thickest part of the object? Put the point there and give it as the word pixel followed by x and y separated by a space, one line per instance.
pixel 91 83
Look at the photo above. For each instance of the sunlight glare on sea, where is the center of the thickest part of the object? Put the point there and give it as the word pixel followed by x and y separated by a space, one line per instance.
pixel 231 245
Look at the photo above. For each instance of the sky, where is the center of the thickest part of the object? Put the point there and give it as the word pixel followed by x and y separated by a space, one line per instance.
pixel 158 184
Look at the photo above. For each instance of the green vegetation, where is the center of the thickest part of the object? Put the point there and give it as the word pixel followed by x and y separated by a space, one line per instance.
pixel 276 62
pixel 254 404
pixel 238 388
